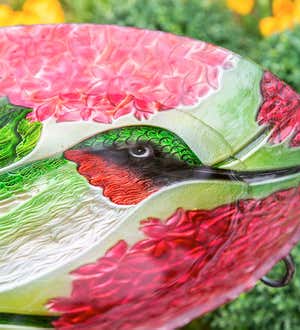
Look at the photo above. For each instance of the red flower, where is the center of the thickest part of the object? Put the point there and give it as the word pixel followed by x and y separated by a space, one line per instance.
pixel 195 259
pixel 280 110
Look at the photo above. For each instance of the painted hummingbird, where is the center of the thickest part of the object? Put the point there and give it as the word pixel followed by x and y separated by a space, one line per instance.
pixel 145 178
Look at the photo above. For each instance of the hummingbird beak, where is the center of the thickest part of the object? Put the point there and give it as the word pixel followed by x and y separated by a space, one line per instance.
pixel 210 173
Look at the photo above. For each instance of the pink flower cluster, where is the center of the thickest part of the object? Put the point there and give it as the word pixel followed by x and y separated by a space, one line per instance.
pixel 100 73
pixel 280 110
pixel 195 259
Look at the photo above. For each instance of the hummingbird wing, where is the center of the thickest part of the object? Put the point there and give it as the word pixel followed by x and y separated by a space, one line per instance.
pixel 18 135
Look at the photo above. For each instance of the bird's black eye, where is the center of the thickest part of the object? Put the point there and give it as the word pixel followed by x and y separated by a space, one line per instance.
pixel 140 151
pixel 136 144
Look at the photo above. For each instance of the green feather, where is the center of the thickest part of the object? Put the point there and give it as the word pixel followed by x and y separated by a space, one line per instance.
pixel 166 141
pixel 18 135
pixel 22 179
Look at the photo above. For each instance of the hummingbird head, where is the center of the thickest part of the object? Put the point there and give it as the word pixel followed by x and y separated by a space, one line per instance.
pixel 145 178
pixel 133 162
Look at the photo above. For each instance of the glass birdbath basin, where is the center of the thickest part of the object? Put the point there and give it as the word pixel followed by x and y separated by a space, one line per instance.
pixel 145 178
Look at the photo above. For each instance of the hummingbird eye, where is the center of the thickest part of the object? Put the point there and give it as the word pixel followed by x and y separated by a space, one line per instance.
pixel 129 145
pixel 141 151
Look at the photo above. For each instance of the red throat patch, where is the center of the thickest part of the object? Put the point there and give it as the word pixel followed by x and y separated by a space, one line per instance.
pixel 120 184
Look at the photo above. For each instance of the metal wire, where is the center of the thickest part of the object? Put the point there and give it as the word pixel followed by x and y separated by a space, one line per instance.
pixel 288 276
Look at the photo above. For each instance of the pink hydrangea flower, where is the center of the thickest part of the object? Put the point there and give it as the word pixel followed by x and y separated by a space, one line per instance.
pixel 100 73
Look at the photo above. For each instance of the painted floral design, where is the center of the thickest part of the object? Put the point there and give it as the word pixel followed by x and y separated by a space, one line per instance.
pixel 198 258
pixel 101 73
pixel 280 110
pixel 120 184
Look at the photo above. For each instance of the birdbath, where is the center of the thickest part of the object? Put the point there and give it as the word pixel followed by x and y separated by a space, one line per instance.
pixel 145 178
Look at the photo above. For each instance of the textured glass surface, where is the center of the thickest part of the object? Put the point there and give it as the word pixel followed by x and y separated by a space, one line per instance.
pixel 145 178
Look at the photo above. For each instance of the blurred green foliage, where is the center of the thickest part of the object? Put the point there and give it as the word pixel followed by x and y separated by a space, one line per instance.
pixel 203 20
pixel 281 54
